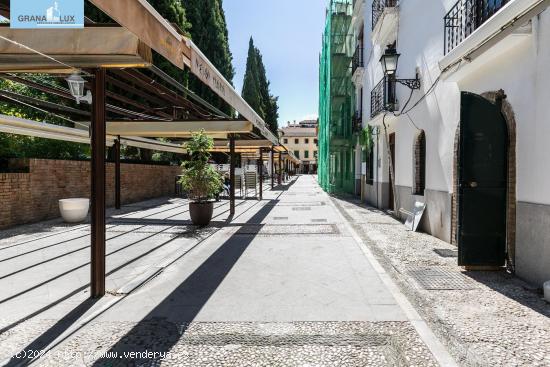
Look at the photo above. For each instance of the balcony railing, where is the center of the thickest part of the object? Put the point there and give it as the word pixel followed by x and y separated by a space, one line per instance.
pixel 358 59
pixel 357 122
pixel 378 7
pixel 465 17
pixel 382 97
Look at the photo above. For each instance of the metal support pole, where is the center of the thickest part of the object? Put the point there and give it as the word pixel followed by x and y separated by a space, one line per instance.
pixel 272 168
pixel 280 169
pixel 98 131
pixel 288 169
pixel 261 165
pixel 117 173
pixel 232 174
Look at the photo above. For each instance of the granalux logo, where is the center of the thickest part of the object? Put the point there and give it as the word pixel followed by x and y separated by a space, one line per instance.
pixel 47 14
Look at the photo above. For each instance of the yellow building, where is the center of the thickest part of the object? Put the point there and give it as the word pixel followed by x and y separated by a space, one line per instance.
pixel 301 139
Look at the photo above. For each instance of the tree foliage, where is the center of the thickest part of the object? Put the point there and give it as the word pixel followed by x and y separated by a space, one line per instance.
pixel 365 138
pixel 208 31
pixel 19 146
pixel 173 11
pixel 256 88
pixel 199 178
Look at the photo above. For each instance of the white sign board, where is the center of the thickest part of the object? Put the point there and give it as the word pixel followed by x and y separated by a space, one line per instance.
pixel 413 220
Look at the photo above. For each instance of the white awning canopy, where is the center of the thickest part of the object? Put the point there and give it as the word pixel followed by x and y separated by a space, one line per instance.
pixel 15 125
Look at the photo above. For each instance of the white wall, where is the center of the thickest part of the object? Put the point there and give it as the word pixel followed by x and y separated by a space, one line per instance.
pixel 521 70
pixel 523 73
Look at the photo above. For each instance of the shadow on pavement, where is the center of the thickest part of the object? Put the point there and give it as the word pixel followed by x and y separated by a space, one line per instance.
pixel 502 282
pixel 512 287
pixel 28 354
pixel 49 336
pixel 153 332
pixel 222 261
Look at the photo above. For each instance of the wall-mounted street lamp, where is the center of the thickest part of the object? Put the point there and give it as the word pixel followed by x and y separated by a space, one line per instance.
pixel 389 61
pixel 76 86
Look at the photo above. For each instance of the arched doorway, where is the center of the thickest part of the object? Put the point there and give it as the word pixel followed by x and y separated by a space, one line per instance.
pixel 482 178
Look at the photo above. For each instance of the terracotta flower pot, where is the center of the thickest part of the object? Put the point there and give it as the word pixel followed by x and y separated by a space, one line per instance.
pixel 201 213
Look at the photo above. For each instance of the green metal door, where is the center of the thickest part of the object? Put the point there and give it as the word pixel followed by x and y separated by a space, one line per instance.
pixel 482 182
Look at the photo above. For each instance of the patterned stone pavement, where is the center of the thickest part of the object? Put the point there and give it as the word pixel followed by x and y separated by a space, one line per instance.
pixel 158 342
pixel 285 283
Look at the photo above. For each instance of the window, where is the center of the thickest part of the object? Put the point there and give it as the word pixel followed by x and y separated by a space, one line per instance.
pixel 419 164
pixel 296 141
pixel 370 165
pixel 315 154
pixel 315 141
pixel 307 141
pixel 285 141
pixel 297 154
pixel 306 154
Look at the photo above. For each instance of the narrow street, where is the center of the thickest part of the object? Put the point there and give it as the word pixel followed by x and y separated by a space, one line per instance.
pixel 229 183
pixel 286 283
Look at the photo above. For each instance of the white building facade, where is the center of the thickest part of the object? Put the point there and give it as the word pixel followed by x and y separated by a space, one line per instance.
pixel 473 141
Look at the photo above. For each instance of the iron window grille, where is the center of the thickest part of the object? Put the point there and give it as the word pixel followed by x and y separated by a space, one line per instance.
pixel 465 17
pixel 357 121
pixel 378 7
pixel 382 97
pixel 358 59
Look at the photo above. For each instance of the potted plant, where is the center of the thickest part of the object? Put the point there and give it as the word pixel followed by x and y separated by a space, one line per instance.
pixel 199 179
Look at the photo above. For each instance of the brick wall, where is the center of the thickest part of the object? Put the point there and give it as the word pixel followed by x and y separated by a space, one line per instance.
pixel 32 197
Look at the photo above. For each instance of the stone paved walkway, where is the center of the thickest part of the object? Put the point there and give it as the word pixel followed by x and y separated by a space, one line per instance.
pixel 484 318
pixel 285 283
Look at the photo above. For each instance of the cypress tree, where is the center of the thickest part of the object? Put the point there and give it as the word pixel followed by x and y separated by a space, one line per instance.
pixel 256 88
pixel 251 92
pixel 209 32
pixel 272 114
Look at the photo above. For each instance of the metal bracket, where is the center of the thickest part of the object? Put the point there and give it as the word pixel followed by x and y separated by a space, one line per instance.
pixel 410 83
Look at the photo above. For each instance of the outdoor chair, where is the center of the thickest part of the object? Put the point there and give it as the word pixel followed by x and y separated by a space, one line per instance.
pixel 251 182
pixel 239 185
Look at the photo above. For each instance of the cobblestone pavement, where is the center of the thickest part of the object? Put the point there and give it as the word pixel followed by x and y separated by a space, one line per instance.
pixel 357 344
pixel 285 283
pixel 484 318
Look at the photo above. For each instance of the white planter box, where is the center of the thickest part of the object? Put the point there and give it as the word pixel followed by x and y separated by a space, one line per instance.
pixel 74 210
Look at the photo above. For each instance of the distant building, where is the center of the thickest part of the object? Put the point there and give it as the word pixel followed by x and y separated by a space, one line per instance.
pixel 301 139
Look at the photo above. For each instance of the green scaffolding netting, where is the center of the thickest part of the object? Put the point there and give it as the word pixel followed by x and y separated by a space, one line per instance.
pixel 336 171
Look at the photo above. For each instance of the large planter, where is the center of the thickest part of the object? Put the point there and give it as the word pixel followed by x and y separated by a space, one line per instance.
pixel 201 213
pixel 74 210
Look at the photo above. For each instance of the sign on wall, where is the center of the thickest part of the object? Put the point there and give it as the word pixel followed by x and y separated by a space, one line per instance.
pixel 32 14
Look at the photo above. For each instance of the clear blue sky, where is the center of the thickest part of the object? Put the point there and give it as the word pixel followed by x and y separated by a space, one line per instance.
pixel 288 34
